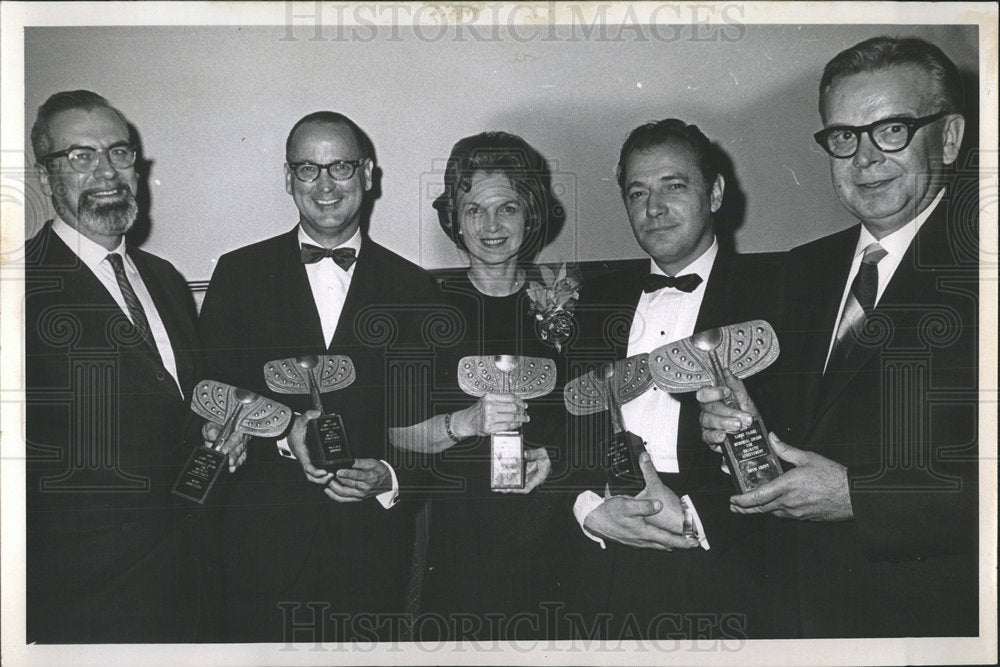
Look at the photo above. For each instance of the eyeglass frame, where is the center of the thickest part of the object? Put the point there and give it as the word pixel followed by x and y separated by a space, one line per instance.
pixel 293 166
pixel 912 125
pixel 97 151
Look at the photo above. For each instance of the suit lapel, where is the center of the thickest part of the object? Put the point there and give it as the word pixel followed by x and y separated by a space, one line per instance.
pixel 292 299
pixel 176 320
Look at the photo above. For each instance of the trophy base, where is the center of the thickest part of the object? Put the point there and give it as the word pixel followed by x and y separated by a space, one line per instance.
pixel 199 474
pixel 326 440
pixel 624 475
pixel 750 458
pixel 507 460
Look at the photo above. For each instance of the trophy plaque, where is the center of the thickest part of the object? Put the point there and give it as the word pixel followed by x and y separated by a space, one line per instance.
pixel 608 388
pixel 524 377
pixel 326 438
pixel 697 361
pixel 239 411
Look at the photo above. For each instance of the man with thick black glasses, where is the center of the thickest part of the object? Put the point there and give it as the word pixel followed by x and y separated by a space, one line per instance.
pixel 882 363
pixel 111 357
pixel 327 560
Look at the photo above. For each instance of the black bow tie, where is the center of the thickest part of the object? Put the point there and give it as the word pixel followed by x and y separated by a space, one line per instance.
pixel 344 257
pixel 686 283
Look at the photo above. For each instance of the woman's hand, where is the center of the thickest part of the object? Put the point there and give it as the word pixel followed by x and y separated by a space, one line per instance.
pixel 493 413
pixel 537 470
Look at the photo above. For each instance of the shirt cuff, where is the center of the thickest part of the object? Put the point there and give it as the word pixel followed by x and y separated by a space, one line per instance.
pixel 699 528
pixel 586 503
pixel 389 498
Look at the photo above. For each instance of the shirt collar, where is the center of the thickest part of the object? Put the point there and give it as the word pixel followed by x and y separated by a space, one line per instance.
pixel 701 266
pixel 91 253
pixel 353 242
pixel 897 242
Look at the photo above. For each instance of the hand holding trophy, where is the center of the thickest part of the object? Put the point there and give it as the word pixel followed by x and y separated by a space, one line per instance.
pixel 698 361
pixel 524 377
pixel 239 411
pixel 326 437
pixel 607 388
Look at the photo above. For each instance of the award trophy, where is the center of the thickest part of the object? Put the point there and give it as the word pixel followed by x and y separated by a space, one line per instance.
pixel 524 377
pixel 239 411
pixel 608 388
pixel 697 361
pixel 326 437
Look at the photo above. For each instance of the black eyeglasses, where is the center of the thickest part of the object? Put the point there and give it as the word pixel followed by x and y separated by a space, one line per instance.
pixel 84 159
pixel 889 135
pixel 340 170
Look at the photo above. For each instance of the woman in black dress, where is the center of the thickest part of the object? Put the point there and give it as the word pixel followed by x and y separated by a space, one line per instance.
pixel 494 557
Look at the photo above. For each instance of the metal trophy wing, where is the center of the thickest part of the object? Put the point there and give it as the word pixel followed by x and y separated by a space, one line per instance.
pixel 587 394
pixel 331 372
pixel 525 377
pixel 688 364
pixel 254 414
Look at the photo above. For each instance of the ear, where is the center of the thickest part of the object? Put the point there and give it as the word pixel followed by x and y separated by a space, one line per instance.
pixel 288 180
pixel 717 189
pixel 366 175
pixel 43 177
pixel 951 134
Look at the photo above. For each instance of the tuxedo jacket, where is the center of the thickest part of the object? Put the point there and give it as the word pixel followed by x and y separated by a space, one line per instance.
pixel 105 425
pixel 901 415
pixel 728 578
pixel 277 525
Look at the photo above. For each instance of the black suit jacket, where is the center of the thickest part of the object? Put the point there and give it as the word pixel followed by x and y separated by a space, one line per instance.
pixel 284 539
pixel 902 416
pixel 106 555
pixel 731 577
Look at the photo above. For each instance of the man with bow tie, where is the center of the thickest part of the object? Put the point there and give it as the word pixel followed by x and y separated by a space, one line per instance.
pixel 654 581
pixel 881 507
pixel 306 560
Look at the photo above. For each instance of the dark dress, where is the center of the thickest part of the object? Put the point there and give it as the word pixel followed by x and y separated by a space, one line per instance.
pixel 494 559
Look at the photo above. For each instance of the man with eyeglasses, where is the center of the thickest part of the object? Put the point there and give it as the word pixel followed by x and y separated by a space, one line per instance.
pixel 882 363
pixel 327 560
pixel 111 356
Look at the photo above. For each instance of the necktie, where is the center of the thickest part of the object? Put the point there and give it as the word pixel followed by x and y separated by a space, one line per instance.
pixel 344 257
pixel 132 302
pixel 655 282
pixel 859 303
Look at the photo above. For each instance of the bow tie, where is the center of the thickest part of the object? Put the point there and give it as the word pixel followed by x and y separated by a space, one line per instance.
pixel 686 283
pixel 344 257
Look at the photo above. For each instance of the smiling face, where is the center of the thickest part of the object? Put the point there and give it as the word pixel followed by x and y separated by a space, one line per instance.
pixel 100 205
pixel 329 210
pixel 887 190
pixel 670 205
pixel 491 219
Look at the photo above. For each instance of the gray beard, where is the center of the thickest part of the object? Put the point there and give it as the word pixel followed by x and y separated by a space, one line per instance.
pixel 108 219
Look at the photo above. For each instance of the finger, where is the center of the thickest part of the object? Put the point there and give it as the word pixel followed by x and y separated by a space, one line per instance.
pixel 339 498
pixel 788 453
pixel 712 394
pixel 639 507
pixel 721 417
pixel 760 496
pixel 739 391
pixel 649 474
pixel 713 438
pixel 345 491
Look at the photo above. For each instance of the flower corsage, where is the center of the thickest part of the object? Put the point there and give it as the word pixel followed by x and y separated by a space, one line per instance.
pixel 552 305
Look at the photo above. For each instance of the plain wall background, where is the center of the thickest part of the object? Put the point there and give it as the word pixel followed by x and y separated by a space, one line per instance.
pixel 213 105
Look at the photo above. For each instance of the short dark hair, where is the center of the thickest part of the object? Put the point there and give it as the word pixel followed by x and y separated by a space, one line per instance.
pixel 882 52
pixel 654 134
pixel 67 100
pixel 509 155
pixel 332 118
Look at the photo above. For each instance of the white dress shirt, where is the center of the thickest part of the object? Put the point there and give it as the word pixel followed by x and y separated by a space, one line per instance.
pixel 895 246
pixel 94 256
pixel 329 284
pixel 660 317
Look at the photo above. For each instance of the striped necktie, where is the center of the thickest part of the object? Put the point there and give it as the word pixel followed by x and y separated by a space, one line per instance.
pixel 135 309
pixel 859 303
